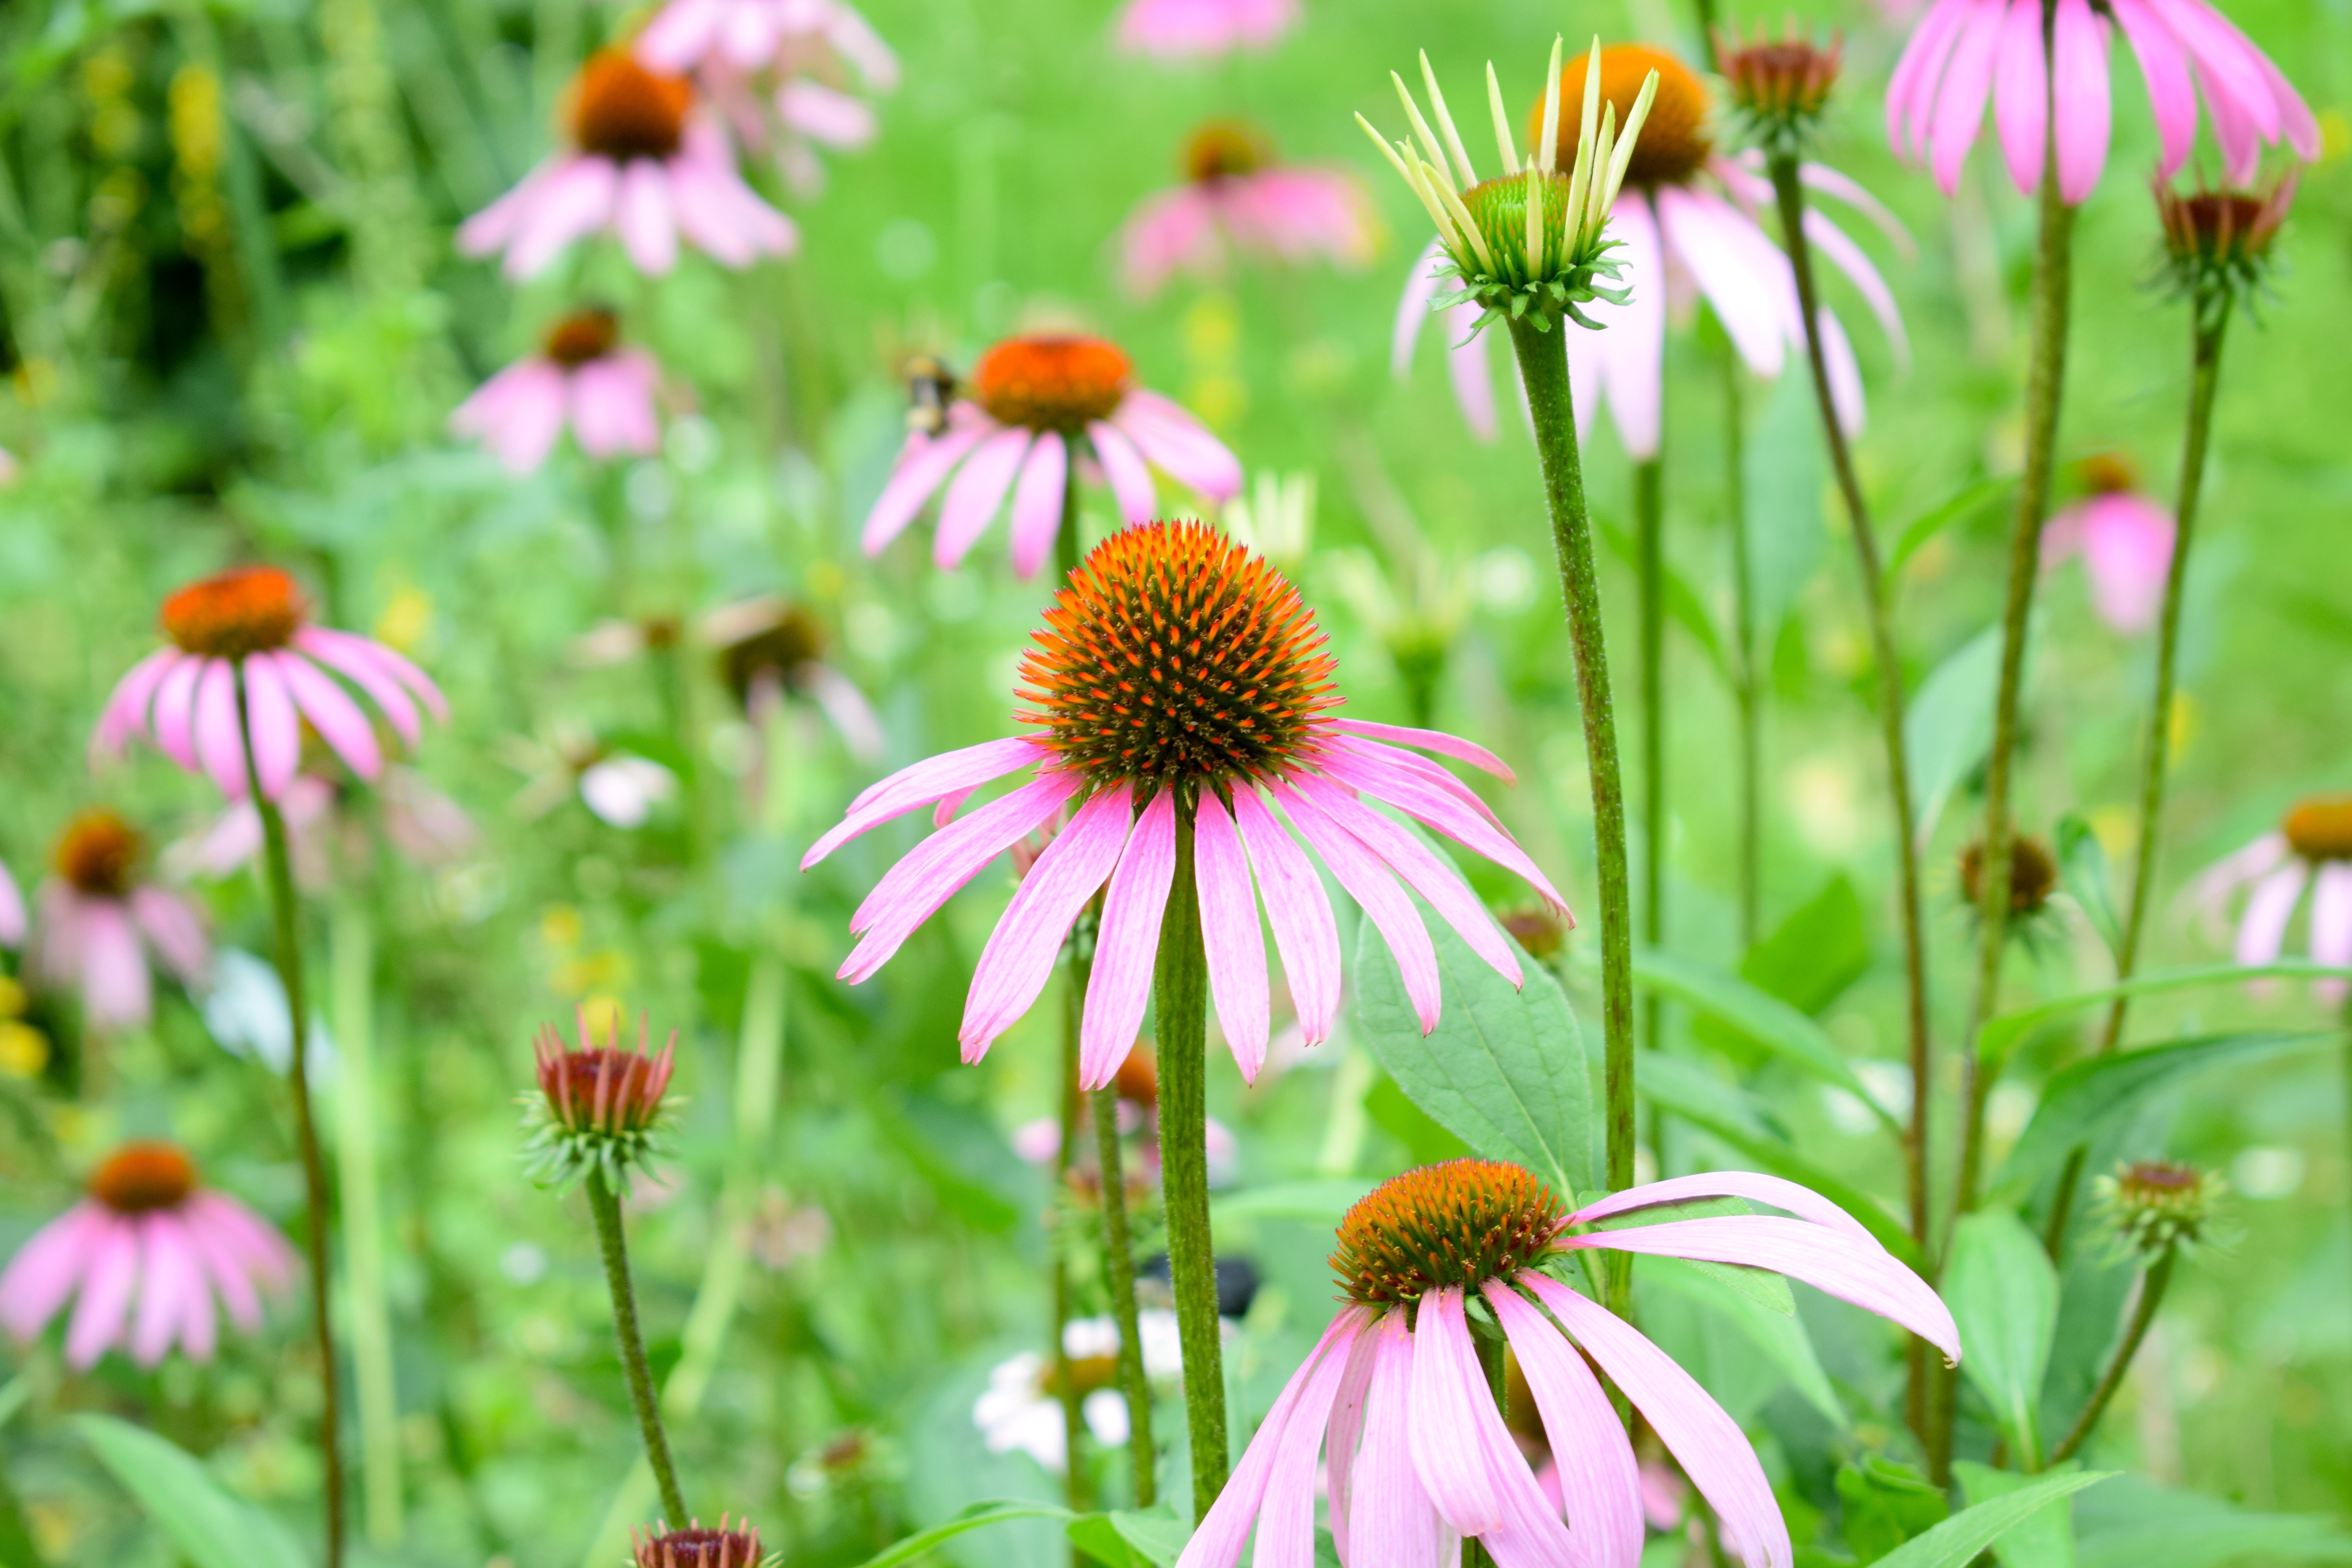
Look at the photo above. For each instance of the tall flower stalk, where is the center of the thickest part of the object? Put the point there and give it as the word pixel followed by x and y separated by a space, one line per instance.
pixel 1526 247
pixel 1649 548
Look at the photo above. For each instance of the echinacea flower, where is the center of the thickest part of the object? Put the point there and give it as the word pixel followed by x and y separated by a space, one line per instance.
pixel 99 920
pixel 2152 1206
pixel 2125 539
pixel 147 1250
pixel 771 648
pixel 641 164
pixel 2313 846
pixel 1033 399
pixel 2217 243
pixel 1187 29
pixel 1418 1455
pixel 599 1108
pixel 1182 692
pixel 1685 223
pixel 735 1545
pixel 581 377
pixel 2032 875
pixel 1968 54
pixel 779 71
pixel 419 821
pixel 1021 1406
pixel 1236 195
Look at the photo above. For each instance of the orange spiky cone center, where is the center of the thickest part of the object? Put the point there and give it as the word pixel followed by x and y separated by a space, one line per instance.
pixel 141 1177
pixel 1052 382
pixel 96 853
pixel 621 111
pixel 1673 143
pixel 583 336
pixel 246 609
pixel 2320 829
pixel 1177 657
pixel 1222 149
pixel 1459 1223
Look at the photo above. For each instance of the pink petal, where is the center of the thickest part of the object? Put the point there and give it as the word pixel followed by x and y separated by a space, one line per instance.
pixel 2227 62
pixel 1413 765
pixel 648 231
pixel 1708 1444
pixel 126 707
pixel 923 463
pixel 933 778
pixel 1911 90
pixel 1167 231
pixel 2262 933
pixel 115 988
pixel 1634 345
pixel 318 641
pixel 518 413
pixel 1393 1523
pixel 575 196
pixel 1467 366
pixel 1129 943
pixel 334 715
pixel 1436 740
pixel 2331 925
pixel 2079 87
pixel 1600 1485
pixel 1123 466
pixel 1844 372
pixel 1037 503
pixel 853 717
pixel 2171 96
pixel 1845 188
pixel 261 1250
pixel 1368 881
pixel 680 33
pixel 174 715
pixel 613 405
pixel 1230 934
pixel 220 738
pixel 167 1278
pixel 1414 795
pixel 2022 93
pixel 2128 549
pixel 1305 933
pixel 106 1292
pixel 1803 1201
pixel 45 1270
pixel 1285 1516
pixel 1173 440
pixel 172 924
pixel 223 1263
pixel 1449 1388
pixel 1854 262
pixel 1968 82
pixel 1021 952
pixel 1422 871
pixel 1712 239
pixel 972 501
pixel 12 910
pixel 1346 1430
pixel 1422 284
pixel 824 114
pixel 369 675
pixel 277 733
pixel 2209 892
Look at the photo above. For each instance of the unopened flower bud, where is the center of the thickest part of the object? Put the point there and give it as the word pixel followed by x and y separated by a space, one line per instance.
pixel 2032 875
pixel 600 1107
pixel 698 1546
pixel 1779 89
pixel 2153 1206
pixel 2217 243
pixel 1536 929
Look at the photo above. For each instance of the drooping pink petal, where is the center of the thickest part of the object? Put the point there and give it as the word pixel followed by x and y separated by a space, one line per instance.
pixel 368 674
pixel 1448 1388
pixel 276 732
pixel 1345 1432
pixel 2331 925
pixel 575 197
pixel 611 402
pixel 115 988
pixel 1634 345
pixel 1367 882
pixel 1231 935
pixel 1701 232
pixel 680 33
pixel 1911 90
pixel 825 114
pixel 2227 64
pixel 1173 437
pixel 2209 892
pixel 220 739
pixel 2126 542
pixel 2171 96
pixel 1846 188
pixel 1968 82
pixel 978 492
pixel 167 1277
pixel 2262 933
pixel 1800 1201
pixel 2021 100
pixel 1169 231
pixel 126 707
pixel 853 716
pixel 2078 86
pixel 1128 943
pixel 1305 932
pixel 1285 1517
pixel 1437 740
pixel 1123 467
pixel 517 413
pixel 1037 503
pixel 1422 283
pixel 1413 795
pixel 647 226
pixel 1392 1522
pixel 172 925
pixel 1844 371
pixel 261 1250
pixel 223 1263
pixel 1710 1446
pixel 1863 1273
pixel 1854 262
pixel 1467 367
pixel 174 717
pixel 106 1293
pixel 1181 29
pixel 2233 128
pixel 1021 952
pixel 924 463
pixel 45 1270
pixel 12 910
pixel 933 778
pixel 1600 1485
pixel 1421 870
pixel 318 642
pixel 336 717
pixel 1412 764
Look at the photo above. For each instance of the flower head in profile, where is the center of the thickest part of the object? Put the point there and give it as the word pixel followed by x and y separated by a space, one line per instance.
pixel 147 1249
pixel 1021 1406
pixel 245 669
pixel 1180 696
pixel 1235 196
pixel 729 1545
pixel 2032 875
pixel 640 163
pixel 2125 539
pixel 600 1107
pixel 1190 29
pixel 1778 87
pixel 2217 242
pixel 2311 847
pixel 1393 1399
pixel 772 648
pixel 100 918
pixel 2153 1206
pixel 1030 406
pixel 583 377
pixel 1965 55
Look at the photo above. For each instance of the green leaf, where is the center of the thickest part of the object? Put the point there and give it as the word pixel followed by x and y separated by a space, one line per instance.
pixel 1963 503
pixel 2137 1524
pixel 2003 1294
pixel 1125 1539
pixel 1760 1017
pixel 1781 470
pixel 1950 725
pixel 1956 1542
pixel 211 1527
pixel 2082 871
pixel 979 1516
pixel 1812 957
pixel 1782 1337
pixel 2001 1033
pixel 1886 1503
pixel 1505 1071
pixel 2045 1540
pixel 2090 1095
pixel 1392 1111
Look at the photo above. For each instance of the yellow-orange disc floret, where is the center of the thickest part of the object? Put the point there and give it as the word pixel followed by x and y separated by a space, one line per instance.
pixel 1455 1224
pixel 622 111
pixel 582 336
pixel 96 853
pixel 2320 828
pixel 246 609
pixel 1176 656
pixel 1222 148
pixel 1052 382
pixel 141 1177
pixel 1673 143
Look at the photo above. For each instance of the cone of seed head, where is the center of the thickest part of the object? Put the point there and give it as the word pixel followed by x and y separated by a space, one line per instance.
pixel 2217 242
pixel 698 1546
pixel 600 1107
pixel 1778 88
pixel 1528 244
pixel 2153 1206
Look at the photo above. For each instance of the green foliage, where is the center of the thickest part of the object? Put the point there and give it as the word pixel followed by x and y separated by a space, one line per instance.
pixel 2003 1294
pixel 204 1521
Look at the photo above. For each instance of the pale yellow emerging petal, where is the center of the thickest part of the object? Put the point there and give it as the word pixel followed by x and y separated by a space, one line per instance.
pixel 1462 169
pixel 1421 127
pixel 1502 120
pixel 1548 149
pixel 1624 156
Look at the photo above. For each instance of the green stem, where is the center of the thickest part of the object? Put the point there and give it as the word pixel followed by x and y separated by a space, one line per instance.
pixel 1179 984
pixel 1118 1262
pixel 351 966
pixel 1743 632
pixel 279 869
pixel 2207 325
pixel 1065 538
pixel 1543 366
pixel 2151 1295
pixel 605 1205
pixel 1649 524
pixel 1065 1382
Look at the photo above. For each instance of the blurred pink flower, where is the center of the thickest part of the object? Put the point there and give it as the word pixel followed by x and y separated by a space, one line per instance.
pixel 147 1250
pixel 1419 1457
pixel 246 660
pixel 581 377
pixel 1235 194
pixel 779 71
pixel 422 823
pixel 12 910
pixel 642 164
pixel 1182 29
pixel 1687 226
pixel 98 919
pixel 1033 398
pixel 1967 53
pixel 2125 540
pixel 7 467
pixel 2311 847
pixel 1244 725
pixel 770 648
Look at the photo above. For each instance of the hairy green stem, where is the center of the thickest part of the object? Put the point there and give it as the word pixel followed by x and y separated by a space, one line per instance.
pixel 1180 987
pixel 1649 543
pixel 1065 1382
pixel 1751 683
pixel 1118 1263
pixel 351 967
pixel 2151 1296
pixel 605 1205
pixel 1543 366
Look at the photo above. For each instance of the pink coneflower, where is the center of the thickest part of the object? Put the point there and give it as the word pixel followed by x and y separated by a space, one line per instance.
pixel 1687 225
pixel 1419 1456
pixel 642 164
pixel 1187 29
pixel 419 821
pixel 2313 846
pixel 698 1545
pixel 246 660
pixel 1236 195
pixel 583 377
pixel 1033 399
pixel 2125 540
pixel 1966 54
pixel 99 920
pixel 147 1250
pixel 1181 690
